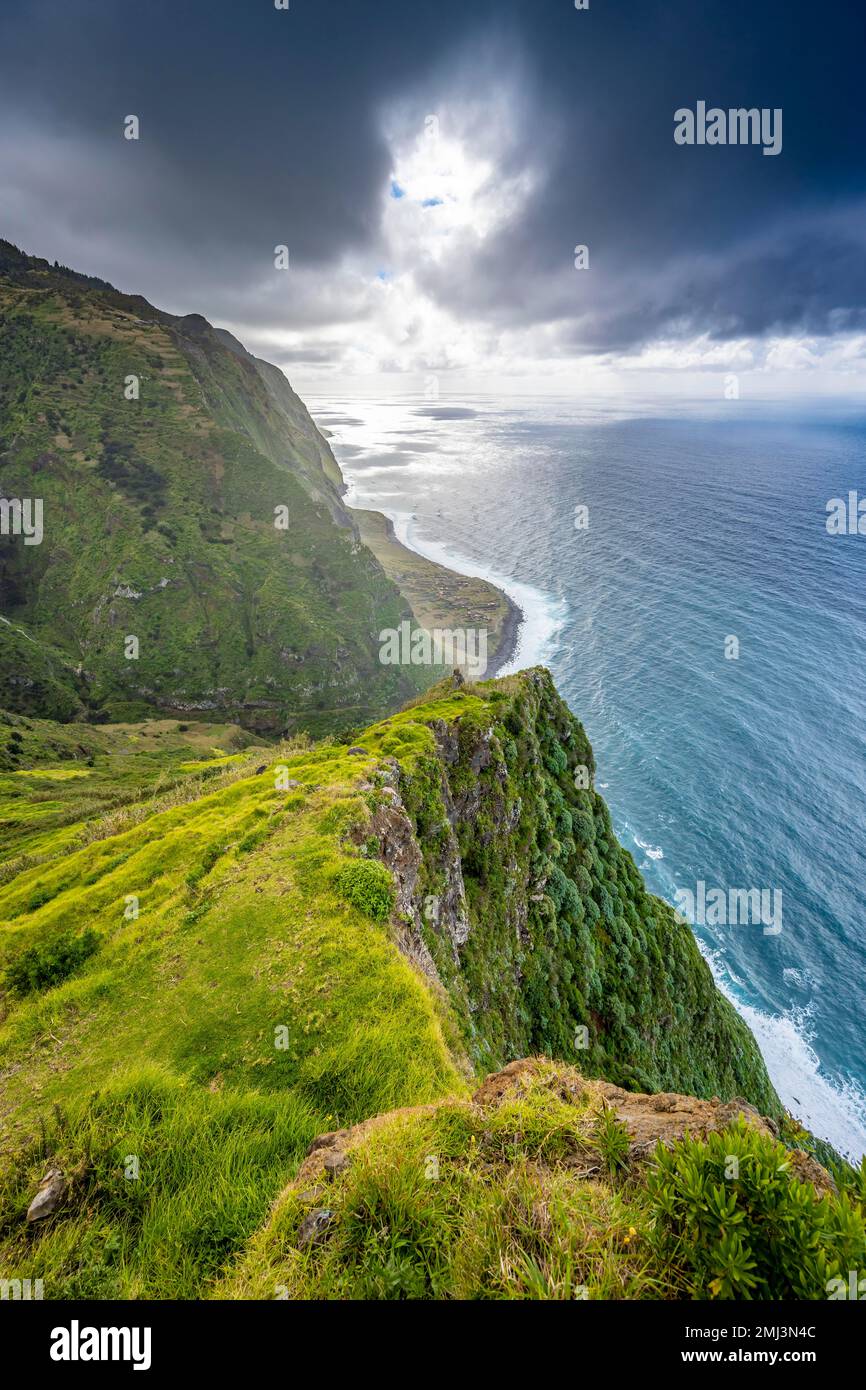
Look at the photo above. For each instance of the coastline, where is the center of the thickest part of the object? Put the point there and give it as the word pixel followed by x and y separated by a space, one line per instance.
pixel 831 1109
pixel 529 619
pixel 514 618
pixel 509 641
pixel 536 617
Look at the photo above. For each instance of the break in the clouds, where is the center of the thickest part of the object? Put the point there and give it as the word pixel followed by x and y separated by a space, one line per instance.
pixel 432 168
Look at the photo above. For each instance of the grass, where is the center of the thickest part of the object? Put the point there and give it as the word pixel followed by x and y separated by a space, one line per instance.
pixel 439 597
pixel 262 924
pixel 166 1181
pixel 254 977
pixel 159 517
pixel 459 1202
pixel 518 1200
pixel 86 772
pixel 215 946
pixel 53 774
pixel 247 984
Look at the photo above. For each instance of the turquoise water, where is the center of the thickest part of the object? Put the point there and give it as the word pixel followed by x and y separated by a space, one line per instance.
pixel 738 773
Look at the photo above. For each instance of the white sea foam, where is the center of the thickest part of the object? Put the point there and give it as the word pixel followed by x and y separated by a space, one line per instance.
pixel 796 978
pixel 832 1110
pixel 543 614
pixel 651 851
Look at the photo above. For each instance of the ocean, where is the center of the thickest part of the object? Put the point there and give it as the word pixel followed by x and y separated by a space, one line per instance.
pixel 711 636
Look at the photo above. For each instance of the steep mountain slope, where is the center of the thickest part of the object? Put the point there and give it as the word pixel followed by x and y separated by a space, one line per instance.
pixel 190 503
pixel 537 920
pixel 266 945
pixel 456 825
pixel 213 947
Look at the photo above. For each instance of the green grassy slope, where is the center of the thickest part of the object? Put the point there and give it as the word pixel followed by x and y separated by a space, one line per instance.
pixel 236 902
pixel 215 945
pixel 203 938
pixel 246 1007
pixel 54 777
pixel 159 523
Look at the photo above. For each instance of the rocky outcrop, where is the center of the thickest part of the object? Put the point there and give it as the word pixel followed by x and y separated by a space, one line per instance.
pixel 398 849
pixel 650 1120
pixel 392 829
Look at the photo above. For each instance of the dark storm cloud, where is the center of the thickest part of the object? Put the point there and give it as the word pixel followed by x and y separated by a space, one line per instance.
pixel 261 127
pixel 683 239
pixel 258 127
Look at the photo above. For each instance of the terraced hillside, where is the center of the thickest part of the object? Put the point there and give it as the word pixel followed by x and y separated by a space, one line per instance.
pixel 189 502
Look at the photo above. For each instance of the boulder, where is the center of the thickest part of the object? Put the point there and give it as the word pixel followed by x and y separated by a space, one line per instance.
pixel 52 1191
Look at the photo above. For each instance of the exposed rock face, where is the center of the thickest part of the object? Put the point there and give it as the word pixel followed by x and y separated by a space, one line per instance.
pixel 808 1169
pixel 650 1119
pixel 400 851
pixel 314 1228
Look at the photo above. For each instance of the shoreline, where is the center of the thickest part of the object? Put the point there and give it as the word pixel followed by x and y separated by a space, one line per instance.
pixel 532 618
pixel 830 1108
pixel 515 618
pixel 509 640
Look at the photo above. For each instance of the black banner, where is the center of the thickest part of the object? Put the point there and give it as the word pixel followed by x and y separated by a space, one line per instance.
pixel 85 1339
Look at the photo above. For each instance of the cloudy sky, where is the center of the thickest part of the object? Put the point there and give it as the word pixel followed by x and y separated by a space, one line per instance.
pixel 432 165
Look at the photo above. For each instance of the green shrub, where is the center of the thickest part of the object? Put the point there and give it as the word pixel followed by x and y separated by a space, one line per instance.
pixel 612 1140
pixel 51 962
pixel 736 1222
pixel 367 885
